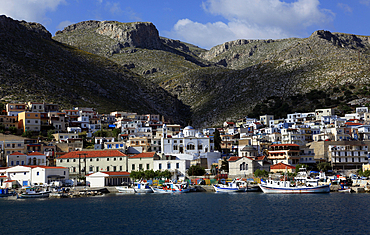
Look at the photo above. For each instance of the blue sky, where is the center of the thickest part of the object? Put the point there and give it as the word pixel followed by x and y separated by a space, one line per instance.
pixel 204 23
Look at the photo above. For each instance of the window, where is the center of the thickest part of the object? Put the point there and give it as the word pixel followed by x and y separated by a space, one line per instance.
pixel 160 166
pixel 140 167
pixel 61 160
pixel 97 159
pixel 133 167
pixel 120 159
pixel 120 168
pixel 114 159
pixel 90 168
pixel 24 173
pixel 175 147
pixel 12 163
pixel 38 173
pixel 108 159
pixel 90 159
pixel 107 168
pixel 74 160
pixel 97 169
pixel 114 168
pixel 177 165
pixel 168 165
pixel 17 162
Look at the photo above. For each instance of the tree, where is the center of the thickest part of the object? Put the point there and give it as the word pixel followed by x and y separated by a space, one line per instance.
pixel 149 174
pixel 261 173
pixel 137 175
pixel 196 170
pixel 217 140
pixel 224 165
pixel 50 134
pixel 115 132
pixel 324 166
pixel 300 166
pixel 27 134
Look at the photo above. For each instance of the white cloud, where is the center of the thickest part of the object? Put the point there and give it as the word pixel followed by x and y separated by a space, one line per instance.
pixel 28 10
pixel 64 24
pixel 365 2
pixel 345 7
pixel 252 19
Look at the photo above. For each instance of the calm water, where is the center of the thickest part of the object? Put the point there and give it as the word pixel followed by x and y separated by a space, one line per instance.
pixel 192 213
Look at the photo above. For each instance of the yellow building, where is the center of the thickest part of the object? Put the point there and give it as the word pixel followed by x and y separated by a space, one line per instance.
pixel 29 121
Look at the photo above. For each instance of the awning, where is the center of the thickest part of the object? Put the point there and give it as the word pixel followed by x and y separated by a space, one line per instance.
pixel 56 176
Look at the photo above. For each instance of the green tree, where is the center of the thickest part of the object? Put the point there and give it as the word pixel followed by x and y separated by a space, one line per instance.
pixel 217 140
pixel 225 165
pixel 196 170
pixel 300 166
pixel 100 134
pixel 149 174
pixel 137 175
pixel 324 166
pixel 166 174
pixel 261 173
pixel 116 132
pixel 50 134
pixel 27 134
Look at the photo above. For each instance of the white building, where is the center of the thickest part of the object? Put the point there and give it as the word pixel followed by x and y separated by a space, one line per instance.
pixel 37 175
pixel 189 145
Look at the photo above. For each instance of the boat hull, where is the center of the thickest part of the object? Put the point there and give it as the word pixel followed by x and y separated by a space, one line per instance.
pixel 144 190
pixel 34 195
pixel 125 190
pixel 295 190
pixel 161 190
pixel 225 189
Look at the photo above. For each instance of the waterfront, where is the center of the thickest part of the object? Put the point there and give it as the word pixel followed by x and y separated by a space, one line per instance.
pixel 192 213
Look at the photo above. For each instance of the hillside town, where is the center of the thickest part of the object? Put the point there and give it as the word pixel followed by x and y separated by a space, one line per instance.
pixel 43 145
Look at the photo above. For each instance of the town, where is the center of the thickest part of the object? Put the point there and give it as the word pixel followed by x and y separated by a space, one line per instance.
pixel 42 145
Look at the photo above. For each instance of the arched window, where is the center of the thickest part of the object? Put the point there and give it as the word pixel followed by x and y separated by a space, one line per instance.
pixel 190 146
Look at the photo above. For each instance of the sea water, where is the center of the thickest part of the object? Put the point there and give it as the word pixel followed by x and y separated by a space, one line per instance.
pixel 191 213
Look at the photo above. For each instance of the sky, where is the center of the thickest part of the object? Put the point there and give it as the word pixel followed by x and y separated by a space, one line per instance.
pixel 205 23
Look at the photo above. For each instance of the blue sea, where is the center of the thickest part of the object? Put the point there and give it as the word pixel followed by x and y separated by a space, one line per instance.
pixel 192 213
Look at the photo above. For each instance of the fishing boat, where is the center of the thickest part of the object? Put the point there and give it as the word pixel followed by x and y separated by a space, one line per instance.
pixel 303 184
pixel 33 193
pixel 236 185
pixel 170 187
pixel 344 190
pixel 142 187
pixel 125 189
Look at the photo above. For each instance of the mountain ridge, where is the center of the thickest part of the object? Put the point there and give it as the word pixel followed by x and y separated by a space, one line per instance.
pixel 231 80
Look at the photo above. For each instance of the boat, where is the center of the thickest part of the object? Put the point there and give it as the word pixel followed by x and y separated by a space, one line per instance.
pixel 344 190
pixel 33 193
pixel 170 187
pixel 236 185
pixel 142 187
pixel 125 189
pixel 303 184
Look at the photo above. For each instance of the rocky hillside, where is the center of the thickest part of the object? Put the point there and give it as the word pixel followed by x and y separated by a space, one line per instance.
pixel 35 67
pixel 130 65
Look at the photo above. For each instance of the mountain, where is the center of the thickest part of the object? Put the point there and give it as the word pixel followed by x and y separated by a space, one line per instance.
pixel 196 86
pixel 34 67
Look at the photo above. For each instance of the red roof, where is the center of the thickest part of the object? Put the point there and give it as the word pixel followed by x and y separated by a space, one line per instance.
pixel 17 153
pixel 35 154
pixel 281 165
pixel 353 124
pixel 260 158
pixel 116 173
pixel 91 154
pixel 230 123
pixel 113 173
pixel 233 159
pixel 144 155
pixel 274 145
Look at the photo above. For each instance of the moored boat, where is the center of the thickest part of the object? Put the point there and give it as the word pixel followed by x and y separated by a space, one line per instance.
pixel 142 187
pixel 234 186
pixel 303 184
pixel 125 189
pixel 33 193
pixel 170 187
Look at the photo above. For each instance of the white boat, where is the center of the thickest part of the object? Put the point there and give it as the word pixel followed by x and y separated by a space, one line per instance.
pixel 125 189
pixel 171 187
pixel 303 184
pixel 234 186
pixel 33 193
pixel 344 190
pixel 142 187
